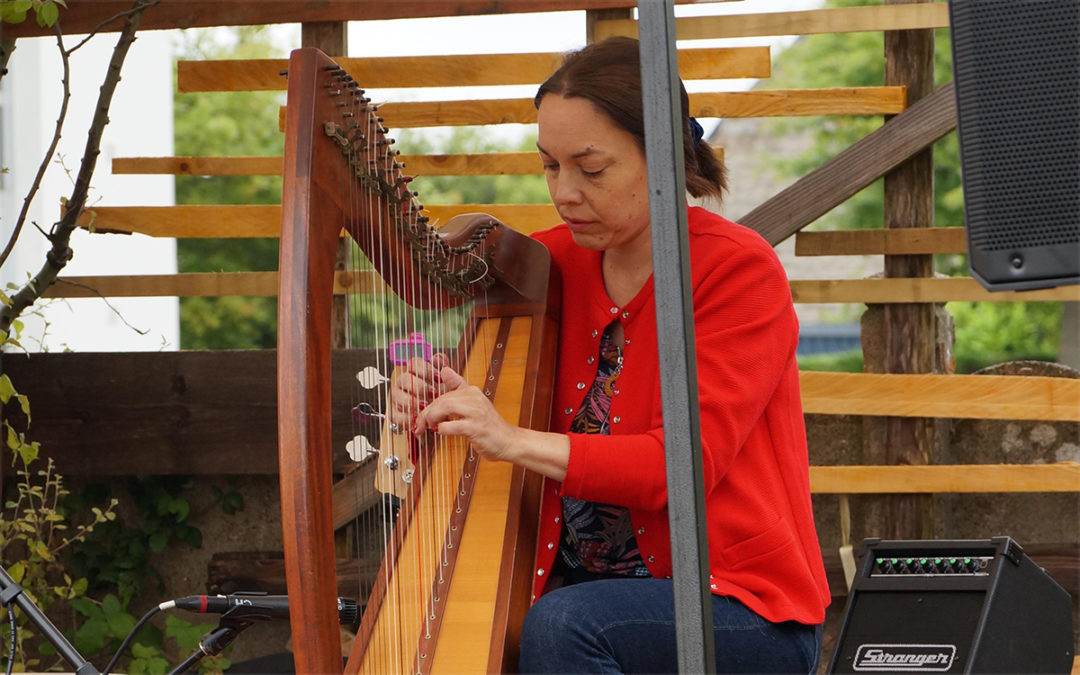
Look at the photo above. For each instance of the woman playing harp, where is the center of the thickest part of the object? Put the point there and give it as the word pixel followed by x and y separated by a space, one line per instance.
pixel 602 587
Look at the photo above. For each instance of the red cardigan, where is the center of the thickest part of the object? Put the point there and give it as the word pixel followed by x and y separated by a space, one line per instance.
pixel 763 548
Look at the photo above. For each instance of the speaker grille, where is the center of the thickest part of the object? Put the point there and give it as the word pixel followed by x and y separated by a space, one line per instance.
pixel 1017 70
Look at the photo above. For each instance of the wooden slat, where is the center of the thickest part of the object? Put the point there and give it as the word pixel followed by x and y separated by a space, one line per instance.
pixel 842 20
pixel 882 242
pixel 756 103
pixel 906 290
pixel 910 479
pixel 248 220
pixel 197 285
pixel 945 396
pixel 456 70
pixel 84 15
pixel 478 164
pixel 832 183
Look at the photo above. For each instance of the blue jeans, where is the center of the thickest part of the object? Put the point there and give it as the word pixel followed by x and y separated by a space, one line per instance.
pixel 628 626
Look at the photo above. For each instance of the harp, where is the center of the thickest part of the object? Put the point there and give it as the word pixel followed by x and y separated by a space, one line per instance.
pixel 453 586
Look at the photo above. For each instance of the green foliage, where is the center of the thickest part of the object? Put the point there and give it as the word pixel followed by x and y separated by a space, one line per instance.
pixel 994 332
pixel 118 556
pixel 46 12
pixel 237 123
pixel 35 530
pixel 857 60
pixel 849 361
pixel 986 333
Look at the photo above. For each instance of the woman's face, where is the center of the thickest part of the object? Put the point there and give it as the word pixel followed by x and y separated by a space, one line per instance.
pixel 596 174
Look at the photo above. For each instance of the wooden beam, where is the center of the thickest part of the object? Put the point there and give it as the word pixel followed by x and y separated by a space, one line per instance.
pixel 756 103
pixel 841 20
pixel 82 16
pixel 258 220
pixel 914 290
pixel 832 183
pixel 452 70
pixel 185 412
pixel 932 479
pixel 1000 397
pixel 879 241
pixel 198 285
pixel 477 164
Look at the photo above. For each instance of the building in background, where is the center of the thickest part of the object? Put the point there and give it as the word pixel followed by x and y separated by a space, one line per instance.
pixel 140 125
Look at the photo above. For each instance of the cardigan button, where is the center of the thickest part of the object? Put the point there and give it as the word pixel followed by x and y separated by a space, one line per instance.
pixel 580 386
pixel 595 332
pixel 591 360
pixel 568 411
pixel 551 545
pixel 641 530
pixel 614 310
pixel 626 315
pixel 540 572
pixel 616 419
pixel 558 519
pixel 712 586
pixel 652 559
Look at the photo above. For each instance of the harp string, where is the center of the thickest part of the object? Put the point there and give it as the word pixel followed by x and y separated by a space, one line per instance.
pixel 378 204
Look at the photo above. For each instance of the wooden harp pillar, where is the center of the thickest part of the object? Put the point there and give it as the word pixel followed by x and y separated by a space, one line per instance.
pixel 327 190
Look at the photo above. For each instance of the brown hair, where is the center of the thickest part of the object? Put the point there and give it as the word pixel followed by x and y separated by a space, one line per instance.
pixel 608 74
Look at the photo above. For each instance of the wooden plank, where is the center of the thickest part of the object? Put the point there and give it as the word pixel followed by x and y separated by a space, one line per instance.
pixel 453 70
pixel 841 20
pixel 477 164
pixel 832 183
pixel 879 241
pixel 944 396
pixel 184 412
pixel 83 16
pixel 248 220
pixel 924 478
pixel 915 290
pixel 756 103
pixel 197 285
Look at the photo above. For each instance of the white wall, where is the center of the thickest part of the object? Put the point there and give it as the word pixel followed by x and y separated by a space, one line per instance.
pixel 141 125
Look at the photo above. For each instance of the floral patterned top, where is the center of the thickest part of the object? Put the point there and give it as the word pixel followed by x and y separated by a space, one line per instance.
pixel 599 538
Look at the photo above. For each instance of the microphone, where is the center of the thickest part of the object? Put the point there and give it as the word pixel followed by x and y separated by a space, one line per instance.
pixel 256 606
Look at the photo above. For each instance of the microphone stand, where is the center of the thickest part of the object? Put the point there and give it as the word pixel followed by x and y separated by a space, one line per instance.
pixel 229 626
pixel 12 593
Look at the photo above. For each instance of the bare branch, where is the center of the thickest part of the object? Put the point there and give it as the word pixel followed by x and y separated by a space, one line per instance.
pixel 36 184
pixel 138 8
pixel 6 47
pixel 60 253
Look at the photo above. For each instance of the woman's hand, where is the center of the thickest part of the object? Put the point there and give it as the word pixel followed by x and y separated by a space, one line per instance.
pixel 413 387
pixel 464 411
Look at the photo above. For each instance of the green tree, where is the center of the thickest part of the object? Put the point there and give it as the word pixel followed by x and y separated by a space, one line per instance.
pixel 1027 330
pixel 236 123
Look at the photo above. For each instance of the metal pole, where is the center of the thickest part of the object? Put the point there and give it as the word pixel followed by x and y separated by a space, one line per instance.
pixel 675 335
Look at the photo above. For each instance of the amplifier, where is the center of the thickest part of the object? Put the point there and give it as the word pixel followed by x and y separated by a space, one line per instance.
pixel 962 606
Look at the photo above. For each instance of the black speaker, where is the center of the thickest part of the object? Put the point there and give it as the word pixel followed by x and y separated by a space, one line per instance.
pixel 963 606
pixel 1017 74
